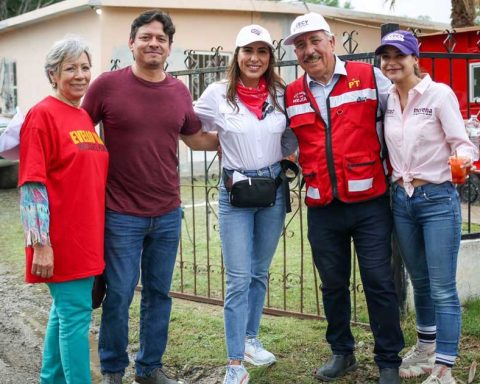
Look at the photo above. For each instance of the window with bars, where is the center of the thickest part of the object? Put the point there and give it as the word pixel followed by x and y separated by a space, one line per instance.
pixel 474 83
pixel 8 87
pixel 206 60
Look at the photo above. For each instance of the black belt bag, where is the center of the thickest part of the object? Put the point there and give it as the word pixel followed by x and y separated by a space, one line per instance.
pixel 254 192
pixel 258 191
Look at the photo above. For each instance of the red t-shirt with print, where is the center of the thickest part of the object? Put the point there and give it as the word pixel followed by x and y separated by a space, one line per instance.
pixel 60 149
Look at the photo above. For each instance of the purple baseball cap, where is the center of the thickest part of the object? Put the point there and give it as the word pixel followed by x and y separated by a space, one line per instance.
pixel 405 41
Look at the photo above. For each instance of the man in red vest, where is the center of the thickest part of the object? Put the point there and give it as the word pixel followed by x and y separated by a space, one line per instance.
pixel 335 110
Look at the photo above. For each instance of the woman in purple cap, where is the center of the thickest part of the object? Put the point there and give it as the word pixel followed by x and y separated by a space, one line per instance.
pixel 423 128
pixel 246 111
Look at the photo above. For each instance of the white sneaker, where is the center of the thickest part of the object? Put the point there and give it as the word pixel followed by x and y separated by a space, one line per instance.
pixel 441 374
pixel 255 353
pixel 418 361
pixel 236 374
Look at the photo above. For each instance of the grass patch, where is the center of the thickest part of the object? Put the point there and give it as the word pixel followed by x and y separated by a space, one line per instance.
pixel 196 330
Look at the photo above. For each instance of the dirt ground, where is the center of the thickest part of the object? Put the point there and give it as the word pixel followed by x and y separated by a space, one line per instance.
pixel 24 313
pixel 23 316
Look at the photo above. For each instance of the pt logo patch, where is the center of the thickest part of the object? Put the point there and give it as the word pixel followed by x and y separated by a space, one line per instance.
pixel 353 83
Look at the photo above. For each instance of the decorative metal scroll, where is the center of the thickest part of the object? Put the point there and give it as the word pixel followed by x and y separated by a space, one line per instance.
pixel 279 51
pixel 349 43
pixel 115 64
pixel 190 62
pixel 450 42
pixel 416 32
pixel 218 57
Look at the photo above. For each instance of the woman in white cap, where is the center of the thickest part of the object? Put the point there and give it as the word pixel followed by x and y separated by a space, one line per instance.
pixel 423 128
pixel 246 110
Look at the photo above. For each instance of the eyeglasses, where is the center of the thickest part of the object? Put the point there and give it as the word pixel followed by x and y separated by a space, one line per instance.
pixel 266 109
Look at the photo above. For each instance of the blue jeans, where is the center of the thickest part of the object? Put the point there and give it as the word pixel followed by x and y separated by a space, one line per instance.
pixel 66 354
pixel 330 231
pixel 249 239
pixel 428 227
pixel 133 243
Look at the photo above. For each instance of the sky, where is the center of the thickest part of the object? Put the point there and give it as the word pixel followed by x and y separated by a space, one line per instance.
pixel 438 10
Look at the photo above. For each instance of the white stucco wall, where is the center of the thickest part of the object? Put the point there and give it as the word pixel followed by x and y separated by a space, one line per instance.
pixel 200 26
pixel 468 272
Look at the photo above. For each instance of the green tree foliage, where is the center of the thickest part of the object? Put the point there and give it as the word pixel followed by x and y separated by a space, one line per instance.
pixel 330 3
pixel 10 8
pixel 463 12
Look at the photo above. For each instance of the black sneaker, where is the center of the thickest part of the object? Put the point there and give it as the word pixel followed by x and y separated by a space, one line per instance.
pixel 389 376
pixel 337 366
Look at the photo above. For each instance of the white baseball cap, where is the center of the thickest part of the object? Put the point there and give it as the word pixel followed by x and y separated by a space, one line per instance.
pixel 252 33
pixel 306 23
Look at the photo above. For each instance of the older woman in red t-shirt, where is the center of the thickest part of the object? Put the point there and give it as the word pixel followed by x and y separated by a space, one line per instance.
pixel 63 169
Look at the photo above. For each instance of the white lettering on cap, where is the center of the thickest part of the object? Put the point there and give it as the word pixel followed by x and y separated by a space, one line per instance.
pixel 394 37
pixel 301 24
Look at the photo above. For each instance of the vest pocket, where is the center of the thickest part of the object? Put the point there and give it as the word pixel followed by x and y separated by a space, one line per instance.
pixel 299 120
pixel 359 169
pixel 313 196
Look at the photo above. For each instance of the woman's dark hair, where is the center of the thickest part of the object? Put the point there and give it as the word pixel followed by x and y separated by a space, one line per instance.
pixel 274 81
pixel 417 71
pixel 153 15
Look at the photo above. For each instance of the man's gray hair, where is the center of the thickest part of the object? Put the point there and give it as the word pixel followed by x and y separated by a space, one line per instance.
pixel 68 48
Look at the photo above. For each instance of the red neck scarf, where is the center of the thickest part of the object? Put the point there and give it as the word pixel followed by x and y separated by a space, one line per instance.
pixel 254 98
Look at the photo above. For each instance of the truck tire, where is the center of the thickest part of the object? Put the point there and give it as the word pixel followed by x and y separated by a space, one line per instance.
pixel 9 176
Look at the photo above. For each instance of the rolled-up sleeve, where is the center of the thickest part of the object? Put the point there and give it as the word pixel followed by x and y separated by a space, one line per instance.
pixel 454 127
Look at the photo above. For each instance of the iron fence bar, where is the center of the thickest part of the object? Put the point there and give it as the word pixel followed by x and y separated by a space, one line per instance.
pixel 207 221
pixel 266 310
pixel 469 206
pixel 443 55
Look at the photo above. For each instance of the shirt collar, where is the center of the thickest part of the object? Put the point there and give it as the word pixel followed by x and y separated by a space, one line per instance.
pixel 420 88
pixel 338 70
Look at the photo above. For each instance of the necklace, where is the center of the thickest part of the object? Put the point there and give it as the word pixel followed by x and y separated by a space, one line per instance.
pixel 67 101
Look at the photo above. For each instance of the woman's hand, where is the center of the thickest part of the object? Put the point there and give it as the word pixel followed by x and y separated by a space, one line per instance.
pixel 465 162
pixel 42 264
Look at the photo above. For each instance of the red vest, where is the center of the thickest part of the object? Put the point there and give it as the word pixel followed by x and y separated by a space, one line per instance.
pixel 344 160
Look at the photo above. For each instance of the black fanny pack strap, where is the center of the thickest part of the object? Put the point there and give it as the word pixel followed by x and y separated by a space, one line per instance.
pixel 285 179
pixel 227 180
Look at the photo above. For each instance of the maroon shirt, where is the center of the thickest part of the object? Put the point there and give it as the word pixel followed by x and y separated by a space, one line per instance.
pixel 142 122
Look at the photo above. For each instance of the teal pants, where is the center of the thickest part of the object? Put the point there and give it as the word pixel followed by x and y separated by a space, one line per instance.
pixel 66 353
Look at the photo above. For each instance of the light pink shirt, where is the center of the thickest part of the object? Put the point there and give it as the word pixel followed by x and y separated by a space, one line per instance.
pixel 422 137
